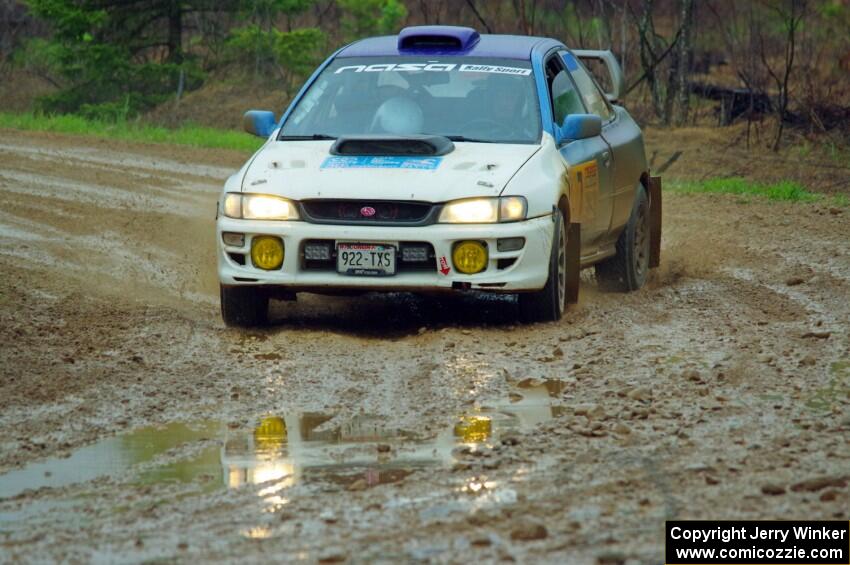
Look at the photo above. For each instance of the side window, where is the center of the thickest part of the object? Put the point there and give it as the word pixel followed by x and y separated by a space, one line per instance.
pixel 593 98
pixel 565 98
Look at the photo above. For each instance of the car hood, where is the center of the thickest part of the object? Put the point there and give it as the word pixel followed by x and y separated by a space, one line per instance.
pixel 299 170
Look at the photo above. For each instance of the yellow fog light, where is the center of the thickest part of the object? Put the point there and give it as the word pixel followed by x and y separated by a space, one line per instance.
pixel 470 257
pixel 267 252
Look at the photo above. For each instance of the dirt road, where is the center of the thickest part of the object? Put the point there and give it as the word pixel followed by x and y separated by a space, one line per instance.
pixel 134 426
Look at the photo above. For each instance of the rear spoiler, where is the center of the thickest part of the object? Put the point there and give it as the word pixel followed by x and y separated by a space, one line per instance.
pixel 618 80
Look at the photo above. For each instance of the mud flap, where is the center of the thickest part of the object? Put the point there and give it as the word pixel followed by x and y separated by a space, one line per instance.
pixel 654 222
pixel 573 262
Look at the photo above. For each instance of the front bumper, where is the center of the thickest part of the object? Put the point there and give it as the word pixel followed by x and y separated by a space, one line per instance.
pixel 511 271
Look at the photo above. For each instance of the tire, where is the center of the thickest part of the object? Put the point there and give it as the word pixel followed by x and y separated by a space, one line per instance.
pixel 549 304
pixel 244 306
pixel 627 271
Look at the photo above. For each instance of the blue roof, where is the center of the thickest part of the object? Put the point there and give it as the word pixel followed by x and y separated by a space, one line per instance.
pixel 496 46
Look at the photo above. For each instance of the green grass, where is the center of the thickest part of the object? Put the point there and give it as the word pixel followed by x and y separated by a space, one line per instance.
pixel 786 191
pixel 841 201
pixel 194 136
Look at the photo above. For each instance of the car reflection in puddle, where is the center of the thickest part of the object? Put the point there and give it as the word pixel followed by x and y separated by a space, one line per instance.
pixel 362 451
pixel 282 451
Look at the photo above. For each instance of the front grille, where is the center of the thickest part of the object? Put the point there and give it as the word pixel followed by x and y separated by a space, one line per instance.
pixel 371 212
pixel 412 256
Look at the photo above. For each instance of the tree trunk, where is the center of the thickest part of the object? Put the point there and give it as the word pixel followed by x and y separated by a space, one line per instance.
pixel 175 32
pixel 646 31
pixel 519 6
pixel 471 4
pixel 684 63
pixel 603 30
pixel 672 83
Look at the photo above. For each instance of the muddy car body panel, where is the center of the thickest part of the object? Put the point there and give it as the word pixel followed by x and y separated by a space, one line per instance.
pixel 409 146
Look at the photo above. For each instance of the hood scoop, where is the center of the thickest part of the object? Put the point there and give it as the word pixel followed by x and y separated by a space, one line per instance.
pixel 385 146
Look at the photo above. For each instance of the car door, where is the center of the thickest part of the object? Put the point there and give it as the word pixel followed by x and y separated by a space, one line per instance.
pixel 589 175
pixel 595 103
pixel 619 130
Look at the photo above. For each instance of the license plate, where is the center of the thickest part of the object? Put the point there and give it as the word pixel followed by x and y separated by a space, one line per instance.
pixel 365 259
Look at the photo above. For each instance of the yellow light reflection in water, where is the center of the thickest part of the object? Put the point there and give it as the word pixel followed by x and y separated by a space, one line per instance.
pixel 234 478
pixel 258 532
pixel 262 460
pixel 474 429
pixel 281 471
pixel 270 435
pixel 271 471
pixel 275 503
pixel 477 485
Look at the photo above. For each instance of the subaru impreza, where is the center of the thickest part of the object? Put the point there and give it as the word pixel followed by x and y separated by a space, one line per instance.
pixel 442 159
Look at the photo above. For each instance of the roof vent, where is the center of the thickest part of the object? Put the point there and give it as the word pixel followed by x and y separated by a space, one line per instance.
pixel 437 39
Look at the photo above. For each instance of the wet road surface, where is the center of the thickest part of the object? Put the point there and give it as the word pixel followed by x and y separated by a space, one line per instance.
pixel 389 428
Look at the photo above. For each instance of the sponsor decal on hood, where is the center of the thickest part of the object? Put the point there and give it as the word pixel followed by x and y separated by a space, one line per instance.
pixel 360 162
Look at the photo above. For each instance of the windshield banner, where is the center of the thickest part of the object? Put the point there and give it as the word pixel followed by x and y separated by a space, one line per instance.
pixel 434 67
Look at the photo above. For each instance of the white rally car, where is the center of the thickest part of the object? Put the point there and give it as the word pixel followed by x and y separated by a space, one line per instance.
pixel 441 160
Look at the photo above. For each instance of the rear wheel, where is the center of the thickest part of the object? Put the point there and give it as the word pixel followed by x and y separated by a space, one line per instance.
pixel 628 269
pixel 549 304
pixel 244 306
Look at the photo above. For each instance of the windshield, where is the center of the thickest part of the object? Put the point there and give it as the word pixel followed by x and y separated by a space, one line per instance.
pixel 480 99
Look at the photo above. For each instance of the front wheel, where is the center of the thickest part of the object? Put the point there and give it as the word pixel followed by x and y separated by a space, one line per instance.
pixel 244 306
pixel 549 304
pixel 628 269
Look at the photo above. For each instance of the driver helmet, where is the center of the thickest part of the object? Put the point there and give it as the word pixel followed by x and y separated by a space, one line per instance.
pixel 400 116
pixel 507 93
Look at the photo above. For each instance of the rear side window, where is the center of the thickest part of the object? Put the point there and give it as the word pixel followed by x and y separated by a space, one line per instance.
pixel 593 98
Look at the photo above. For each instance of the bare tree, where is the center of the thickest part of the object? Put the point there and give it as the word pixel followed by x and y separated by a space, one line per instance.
pixel 15 24
pixel 603 29
pixel 683 68
pixel 520 9
pixel 653 51
pixel 791 14
pixel 478 16
pixel 432 11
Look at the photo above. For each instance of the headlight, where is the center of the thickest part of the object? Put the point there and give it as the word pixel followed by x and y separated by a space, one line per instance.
pixel 484 210
pixel 259 207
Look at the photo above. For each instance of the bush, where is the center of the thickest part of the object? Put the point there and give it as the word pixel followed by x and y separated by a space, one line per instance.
pixel 288 56
pixel 362 18
pixel 102 62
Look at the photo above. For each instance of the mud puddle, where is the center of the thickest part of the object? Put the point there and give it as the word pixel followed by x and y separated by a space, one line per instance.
pixel 359 451
pixel 110 457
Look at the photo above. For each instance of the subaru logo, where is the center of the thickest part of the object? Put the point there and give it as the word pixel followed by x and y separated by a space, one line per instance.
pixel 367 211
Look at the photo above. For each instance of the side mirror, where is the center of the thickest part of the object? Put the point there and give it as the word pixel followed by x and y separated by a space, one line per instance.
pixel 259 122
pixel 578 126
